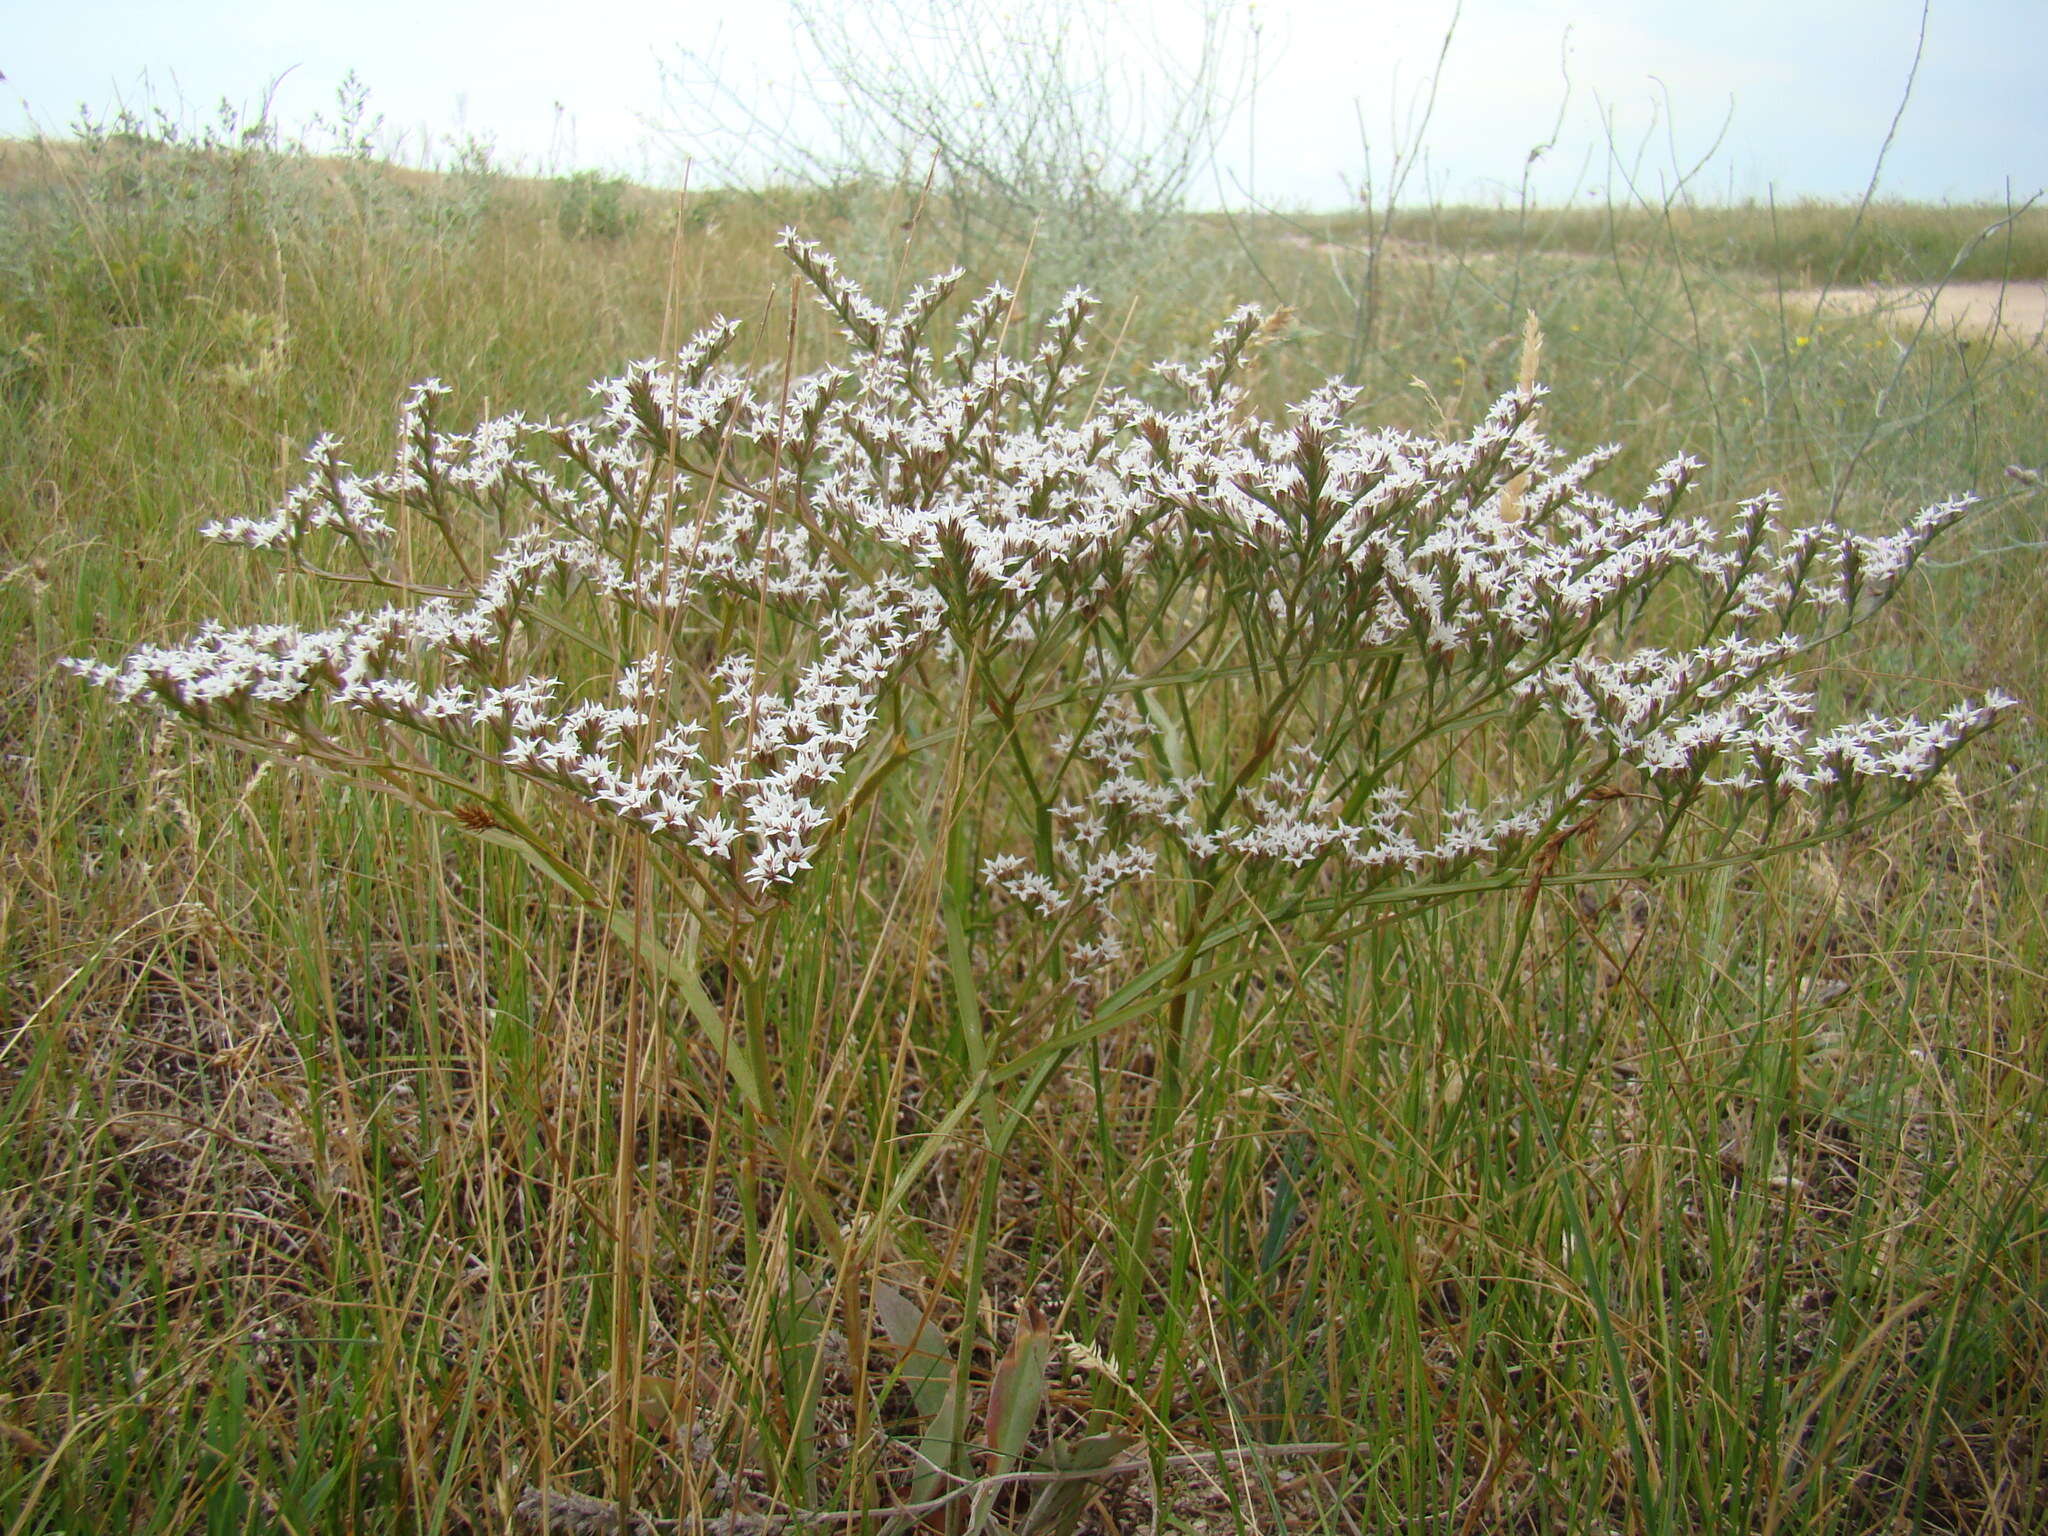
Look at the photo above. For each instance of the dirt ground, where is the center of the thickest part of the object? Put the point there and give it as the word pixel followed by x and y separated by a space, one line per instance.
pixel 2016 311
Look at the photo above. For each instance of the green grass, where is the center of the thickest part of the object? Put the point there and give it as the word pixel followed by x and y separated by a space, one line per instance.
pixel 1715 1205
pixel 1805 243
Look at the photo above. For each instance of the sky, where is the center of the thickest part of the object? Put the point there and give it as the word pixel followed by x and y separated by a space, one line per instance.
pixel 1314 100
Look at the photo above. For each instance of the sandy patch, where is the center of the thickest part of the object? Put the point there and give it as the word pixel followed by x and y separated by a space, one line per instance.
pixel 1393 248
pixel 2015 312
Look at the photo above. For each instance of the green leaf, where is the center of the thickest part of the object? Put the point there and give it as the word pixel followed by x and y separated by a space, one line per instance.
pixel 1018 1391
pixel 924 1354
pixel 1057 1509
pixel 926 1368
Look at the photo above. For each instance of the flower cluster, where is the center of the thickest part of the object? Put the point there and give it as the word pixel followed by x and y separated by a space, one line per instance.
pixel 1176 633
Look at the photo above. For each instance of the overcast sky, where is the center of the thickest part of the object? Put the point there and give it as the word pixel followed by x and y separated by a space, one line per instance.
pixel 1800 93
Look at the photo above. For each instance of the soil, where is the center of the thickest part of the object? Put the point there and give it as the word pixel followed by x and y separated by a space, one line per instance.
pixel 2016 312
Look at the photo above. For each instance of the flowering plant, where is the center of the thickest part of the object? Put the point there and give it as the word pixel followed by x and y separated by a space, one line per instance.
pixel 1150 655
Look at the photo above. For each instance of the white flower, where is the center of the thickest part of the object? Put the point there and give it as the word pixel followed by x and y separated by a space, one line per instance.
pixel 711 607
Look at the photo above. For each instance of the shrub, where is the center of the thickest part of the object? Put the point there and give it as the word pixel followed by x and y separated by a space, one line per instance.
pixel 593 206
